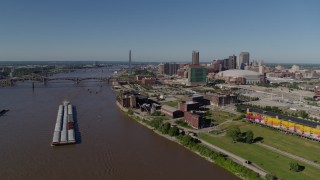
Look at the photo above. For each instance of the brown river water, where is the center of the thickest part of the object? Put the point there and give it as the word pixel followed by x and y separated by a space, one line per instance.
pixel 110 145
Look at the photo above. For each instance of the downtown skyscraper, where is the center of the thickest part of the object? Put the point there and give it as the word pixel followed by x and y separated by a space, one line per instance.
pixel 195 57
pixel 243 59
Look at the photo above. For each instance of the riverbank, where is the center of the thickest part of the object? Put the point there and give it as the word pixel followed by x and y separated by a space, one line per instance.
pixel 201 149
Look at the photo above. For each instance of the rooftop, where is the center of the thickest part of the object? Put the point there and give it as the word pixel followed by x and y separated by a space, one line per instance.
pixel 169 108
pixel 238 73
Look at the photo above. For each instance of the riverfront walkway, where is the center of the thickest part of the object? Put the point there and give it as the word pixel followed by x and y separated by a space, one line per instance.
pixel 230 155
pixel 235 158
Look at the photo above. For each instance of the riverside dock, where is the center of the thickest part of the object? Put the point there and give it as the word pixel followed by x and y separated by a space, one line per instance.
pixel 64 129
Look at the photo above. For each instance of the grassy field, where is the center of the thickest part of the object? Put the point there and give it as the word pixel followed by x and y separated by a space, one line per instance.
pixel 171 103
pixel 289 143
pixel 272 162
pixel 227 125
pixel 181 123
pixel 220 116
pixel 160 118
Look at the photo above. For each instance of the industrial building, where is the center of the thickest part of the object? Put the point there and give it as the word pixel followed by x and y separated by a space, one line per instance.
pixel 193 119
pixel 171 111
pixel 200 99
pixel 218 99
pixel 188 106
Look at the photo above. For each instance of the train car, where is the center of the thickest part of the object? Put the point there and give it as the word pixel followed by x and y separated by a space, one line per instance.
pixel 315 133
pixel 284 125
pixel 294 125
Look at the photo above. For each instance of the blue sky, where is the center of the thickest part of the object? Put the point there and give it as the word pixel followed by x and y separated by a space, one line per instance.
pixel 164 30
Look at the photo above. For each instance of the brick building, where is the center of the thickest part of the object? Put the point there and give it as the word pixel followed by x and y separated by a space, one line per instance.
pixel 193 120
pixel 218 99
pixel 188 106
pixel 171 111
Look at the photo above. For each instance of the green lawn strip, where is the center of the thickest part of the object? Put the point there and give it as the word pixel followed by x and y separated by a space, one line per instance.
pixel 227 125
pixel 220 116
pixel 159 118
pixel 272 162
pixel 171 103
pixel 180 122
pixel 286 142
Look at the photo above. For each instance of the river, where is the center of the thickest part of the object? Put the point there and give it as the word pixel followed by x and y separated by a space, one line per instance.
pixel 111 146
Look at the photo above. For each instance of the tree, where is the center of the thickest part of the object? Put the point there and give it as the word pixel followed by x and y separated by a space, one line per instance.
pixel 165 128
pixel 187 140
pixel 174 131
pixel 234 132
pixel 249 137
pixel 294 166
pixel 155 123
pixel 303 114
pixel 271 177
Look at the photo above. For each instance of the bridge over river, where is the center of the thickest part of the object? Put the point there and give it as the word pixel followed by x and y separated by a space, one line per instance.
pixel 45 80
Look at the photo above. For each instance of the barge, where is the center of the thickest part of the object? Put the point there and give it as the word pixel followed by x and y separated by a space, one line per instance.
pixel 64 129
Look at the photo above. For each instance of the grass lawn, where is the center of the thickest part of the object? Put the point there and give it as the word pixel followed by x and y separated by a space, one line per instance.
pixel 220 116
pixel 290 143
pixel 270 161
pixel 233 123
pixel 160 118
pixel 181 123
pixel 171 103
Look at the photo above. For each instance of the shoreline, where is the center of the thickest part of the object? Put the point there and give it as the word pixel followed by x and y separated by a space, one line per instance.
pixel 173 139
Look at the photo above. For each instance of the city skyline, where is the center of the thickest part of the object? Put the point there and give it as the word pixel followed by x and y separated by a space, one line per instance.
pixel 275 32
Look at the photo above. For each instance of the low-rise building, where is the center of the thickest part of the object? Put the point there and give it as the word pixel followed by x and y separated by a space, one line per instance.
pixel 188 106
pixel 193 120
pixel 171 111
pixel 125 101
pixel 219 99
pixel 317 92
pixel 149 81
pixel 200 99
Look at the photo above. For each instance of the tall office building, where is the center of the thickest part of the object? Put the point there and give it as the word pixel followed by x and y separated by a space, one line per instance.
pixel 170 68
pixel 232 62
pixel 195 57
pixel 243 59
pixel 130 69
pixel 197 76
pixel 161 68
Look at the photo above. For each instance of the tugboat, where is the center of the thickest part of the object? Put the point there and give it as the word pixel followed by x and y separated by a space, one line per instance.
pixel 4 111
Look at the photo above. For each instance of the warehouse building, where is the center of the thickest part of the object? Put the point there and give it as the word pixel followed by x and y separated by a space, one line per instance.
pixel 171 111
pixel 188 106
pixel 219 99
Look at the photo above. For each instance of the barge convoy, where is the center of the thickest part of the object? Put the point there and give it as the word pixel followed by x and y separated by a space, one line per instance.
pixel 64 129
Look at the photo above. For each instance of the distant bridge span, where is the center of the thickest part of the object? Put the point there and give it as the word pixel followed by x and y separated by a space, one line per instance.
pixel 12 81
